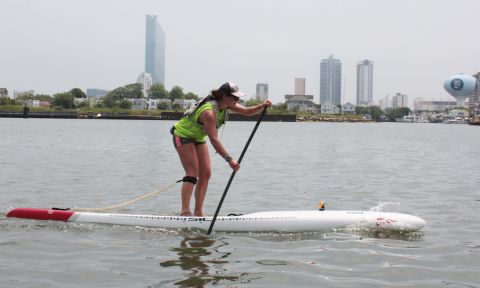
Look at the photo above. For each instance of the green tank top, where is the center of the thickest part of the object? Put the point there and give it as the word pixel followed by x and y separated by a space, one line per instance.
pixel 189 127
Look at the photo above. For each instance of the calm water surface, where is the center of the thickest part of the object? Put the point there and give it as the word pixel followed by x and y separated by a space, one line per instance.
pixel 428 170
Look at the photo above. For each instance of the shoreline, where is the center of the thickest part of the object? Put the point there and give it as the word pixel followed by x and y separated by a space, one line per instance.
pixel 171 115
pixel 126 116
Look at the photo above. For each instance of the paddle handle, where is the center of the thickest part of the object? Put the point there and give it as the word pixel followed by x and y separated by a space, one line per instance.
pixel 234 172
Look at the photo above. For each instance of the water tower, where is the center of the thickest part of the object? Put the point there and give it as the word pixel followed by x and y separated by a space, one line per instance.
pixel 460 86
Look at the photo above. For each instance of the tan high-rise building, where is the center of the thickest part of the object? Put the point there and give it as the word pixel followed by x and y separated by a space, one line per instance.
pixel 299 86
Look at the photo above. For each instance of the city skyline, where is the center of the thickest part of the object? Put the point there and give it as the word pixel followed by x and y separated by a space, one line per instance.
pixel 104 47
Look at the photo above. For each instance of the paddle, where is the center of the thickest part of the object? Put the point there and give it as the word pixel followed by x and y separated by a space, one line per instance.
pixel 234 172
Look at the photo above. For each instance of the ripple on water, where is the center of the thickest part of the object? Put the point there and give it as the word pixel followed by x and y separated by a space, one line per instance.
pixel 414 169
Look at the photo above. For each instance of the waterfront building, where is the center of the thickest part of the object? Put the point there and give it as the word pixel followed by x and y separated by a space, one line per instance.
pixel 155 50
pixel 96 93
pixel 299 101
pixel 152 104
pixel 32 103
pixel 399 101
pixel 434 106
pixel 37 103
pixel 184 103
pixel 329 108
pixel 146 80
pixel 365 83
pixel 330 81
pixel 436 111
pixel 348 108
pixel 138 103
pixel 261 92
pixel 3 92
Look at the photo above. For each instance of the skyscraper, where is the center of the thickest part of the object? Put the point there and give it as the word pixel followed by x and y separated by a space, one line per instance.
pixel 331 81
pixel 261 92
pixel 155 50
pixel 364 82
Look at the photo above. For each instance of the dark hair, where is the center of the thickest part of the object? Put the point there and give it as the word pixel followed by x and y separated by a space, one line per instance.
pixel 217 94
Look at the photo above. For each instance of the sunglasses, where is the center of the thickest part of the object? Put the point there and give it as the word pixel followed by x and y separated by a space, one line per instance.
pixel 234 97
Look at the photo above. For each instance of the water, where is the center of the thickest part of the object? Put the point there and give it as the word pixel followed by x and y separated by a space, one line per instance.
pixel 428 170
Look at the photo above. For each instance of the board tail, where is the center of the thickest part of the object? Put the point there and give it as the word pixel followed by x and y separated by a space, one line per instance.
pixel 40 214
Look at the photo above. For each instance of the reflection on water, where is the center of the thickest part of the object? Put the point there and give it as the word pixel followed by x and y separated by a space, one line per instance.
pixel 195 255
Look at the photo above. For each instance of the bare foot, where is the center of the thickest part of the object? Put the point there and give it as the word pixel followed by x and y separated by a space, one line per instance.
pixel 186 213
pixel 199 214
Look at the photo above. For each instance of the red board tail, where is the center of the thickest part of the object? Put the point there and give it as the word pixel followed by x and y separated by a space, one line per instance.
pixel 40 214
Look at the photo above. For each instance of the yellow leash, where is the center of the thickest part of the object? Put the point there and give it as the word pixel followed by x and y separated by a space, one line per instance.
pixel 126 203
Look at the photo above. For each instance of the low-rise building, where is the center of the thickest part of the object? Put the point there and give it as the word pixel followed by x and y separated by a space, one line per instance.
pixel 37 103
pixel 329 108
pixel 138 103
pixel 184 103
pixel 153 103
pixel 433 106
pixel 302 103
pixel 348 108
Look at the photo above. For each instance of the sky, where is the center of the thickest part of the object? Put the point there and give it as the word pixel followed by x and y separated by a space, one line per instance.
pixel 52 46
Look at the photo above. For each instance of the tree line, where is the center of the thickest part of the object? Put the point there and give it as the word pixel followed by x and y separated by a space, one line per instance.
pixel 118 97
pixel 378 114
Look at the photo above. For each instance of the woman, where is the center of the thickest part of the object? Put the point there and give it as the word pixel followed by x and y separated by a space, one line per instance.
pixel 190 133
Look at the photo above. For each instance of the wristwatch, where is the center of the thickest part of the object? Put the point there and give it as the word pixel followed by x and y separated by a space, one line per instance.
pixel 228 158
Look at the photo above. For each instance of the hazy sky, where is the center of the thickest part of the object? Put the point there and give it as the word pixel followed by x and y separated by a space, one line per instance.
pixel 54 45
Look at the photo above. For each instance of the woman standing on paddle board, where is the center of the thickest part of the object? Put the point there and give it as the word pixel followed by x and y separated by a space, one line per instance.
pixel 189 138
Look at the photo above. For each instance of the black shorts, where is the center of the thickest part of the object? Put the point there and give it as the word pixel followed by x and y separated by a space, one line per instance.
pixel 179 141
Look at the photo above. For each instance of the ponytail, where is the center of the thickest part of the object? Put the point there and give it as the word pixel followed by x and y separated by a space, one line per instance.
pixel 217 94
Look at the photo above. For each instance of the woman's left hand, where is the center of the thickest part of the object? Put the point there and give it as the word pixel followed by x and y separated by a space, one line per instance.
pixel 234 165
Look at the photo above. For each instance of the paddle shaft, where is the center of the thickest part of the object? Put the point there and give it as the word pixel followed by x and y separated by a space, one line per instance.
pixel 234 172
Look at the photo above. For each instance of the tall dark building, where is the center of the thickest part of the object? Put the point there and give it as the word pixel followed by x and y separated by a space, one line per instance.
pixel 331 81
pixel 365 83
pixel 155 50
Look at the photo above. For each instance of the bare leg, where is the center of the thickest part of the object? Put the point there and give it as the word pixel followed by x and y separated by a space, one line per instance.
pixel 204 177
pixel 188 157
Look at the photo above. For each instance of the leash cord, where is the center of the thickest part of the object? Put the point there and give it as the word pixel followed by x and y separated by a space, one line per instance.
pixel 126 203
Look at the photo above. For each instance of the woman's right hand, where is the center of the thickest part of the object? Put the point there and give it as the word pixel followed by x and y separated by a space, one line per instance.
pixel 234 165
